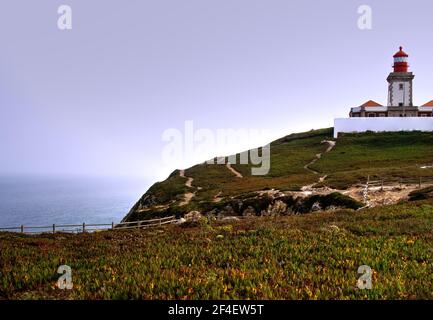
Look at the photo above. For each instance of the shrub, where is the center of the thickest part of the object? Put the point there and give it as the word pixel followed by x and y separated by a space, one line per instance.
pixel 421 194
pixel 334 199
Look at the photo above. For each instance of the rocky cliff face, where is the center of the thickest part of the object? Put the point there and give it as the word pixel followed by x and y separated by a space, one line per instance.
pixel 268 203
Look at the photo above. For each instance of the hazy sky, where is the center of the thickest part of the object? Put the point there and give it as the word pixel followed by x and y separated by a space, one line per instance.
pixel 96 99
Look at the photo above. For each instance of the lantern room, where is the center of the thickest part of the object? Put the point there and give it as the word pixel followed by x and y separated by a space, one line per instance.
pixel 400 61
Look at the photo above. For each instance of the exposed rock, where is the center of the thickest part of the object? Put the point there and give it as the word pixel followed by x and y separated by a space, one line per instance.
pixel 316 206
pixel 180 221
pixel 277 208
pixel 193 216
pixel 230 219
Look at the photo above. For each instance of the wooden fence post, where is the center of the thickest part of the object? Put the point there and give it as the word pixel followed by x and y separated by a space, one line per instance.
pixel 112 225
pixel 22 228
pixel 84 227
pixel 54 228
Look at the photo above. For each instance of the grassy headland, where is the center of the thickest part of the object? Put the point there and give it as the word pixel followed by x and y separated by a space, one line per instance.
pixel 355 157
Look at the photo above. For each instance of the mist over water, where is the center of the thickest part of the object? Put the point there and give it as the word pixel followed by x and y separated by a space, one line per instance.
pixel 45 200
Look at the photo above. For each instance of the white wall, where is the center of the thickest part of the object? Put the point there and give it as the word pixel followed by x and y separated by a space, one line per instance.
pixel 400 95
pixel 382 124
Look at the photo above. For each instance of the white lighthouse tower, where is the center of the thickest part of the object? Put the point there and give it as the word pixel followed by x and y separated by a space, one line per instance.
pixel 400 88
pixel 398 115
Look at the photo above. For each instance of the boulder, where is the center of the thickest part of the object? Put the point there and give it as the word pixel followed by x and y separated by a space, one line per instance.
pixel 316 206
pixel 193 216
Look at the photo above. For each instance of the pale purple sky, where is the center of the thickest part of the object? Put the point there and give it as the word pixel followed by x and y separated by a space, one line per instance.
pixel 96 99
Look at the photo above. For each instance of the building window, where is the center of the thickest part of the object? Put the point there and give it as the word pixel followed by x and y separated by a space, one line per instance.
pixel 401 86
pixel 423 115
pixel 371 115
pixel 400 104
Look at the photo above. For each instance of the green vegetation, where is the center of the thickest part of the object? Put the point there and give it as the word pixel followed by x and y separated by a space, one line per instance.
pixel 277 256
pixel 288 257
pixel 288 157
pixel 384 155
pixel 378 155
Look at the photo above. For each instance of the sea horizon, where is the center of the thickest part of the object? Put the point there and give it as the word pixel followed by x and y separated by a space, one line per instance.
pixel 44 199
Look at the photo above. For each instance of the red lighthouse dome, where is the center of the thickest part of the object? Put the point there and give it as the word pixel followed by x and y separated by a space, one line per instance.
pixel 400 61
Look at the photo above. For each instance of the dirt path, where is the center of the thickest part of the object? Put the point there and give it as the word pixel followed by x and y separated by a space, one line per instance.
pixel 331 145
pixel 236 173
pixel 307 166
pixel 189 195
pixel 189 180
pixel 217 197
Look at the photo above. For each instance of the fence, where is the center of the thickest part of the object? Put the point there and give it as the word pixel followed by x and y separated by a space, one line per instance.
pixel 401 181
pixel 396 181
pixel 76 228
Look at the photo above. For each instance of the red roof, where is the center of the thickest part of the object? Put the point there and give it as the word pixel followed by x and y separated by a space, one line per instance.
pixel 428 104
pixel 371 103
pixel 401 53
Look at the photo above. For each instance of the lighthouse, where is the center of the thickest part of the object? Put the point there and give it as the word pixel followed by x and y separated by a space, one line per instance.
pixel 400 95
pixel 398 115
pixel 400 88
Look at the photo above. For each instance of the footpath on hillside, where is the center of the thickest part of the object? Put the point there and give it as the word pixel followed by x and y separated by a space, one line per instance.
pixel 331 145
pixel 188 183
pixel 371 195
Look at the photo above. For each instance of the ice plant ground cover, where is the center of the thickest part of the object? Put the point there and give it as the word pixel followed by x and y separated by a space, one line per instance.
pixel 310 256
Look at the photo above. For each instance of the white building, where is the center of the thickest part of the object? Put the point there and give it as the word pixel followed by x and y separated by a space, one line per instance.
pixel 398 115
pixel 400 95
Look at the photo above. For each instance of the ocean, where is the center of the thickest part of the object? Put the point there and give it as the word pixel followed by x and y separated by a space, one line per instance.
pixel 47 200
